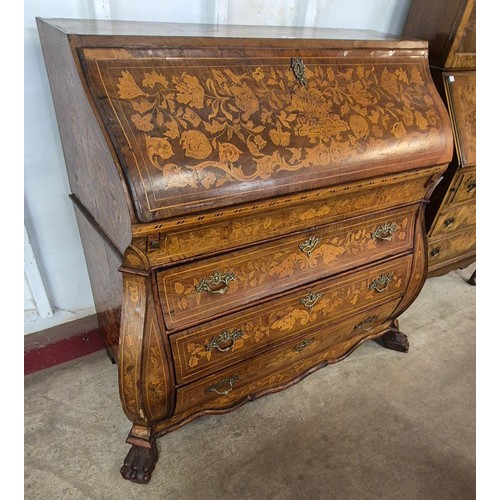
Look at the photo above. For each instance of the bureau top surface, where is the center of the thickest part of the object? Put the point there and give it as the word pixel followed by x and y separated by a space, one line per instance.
pixel 104 28
pixel 205 117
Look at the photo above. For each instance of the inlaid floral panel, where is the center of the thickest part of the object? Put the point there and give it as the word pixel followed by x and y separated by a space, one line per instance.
pixel 194 129
pixel 279 265
pixel 285 318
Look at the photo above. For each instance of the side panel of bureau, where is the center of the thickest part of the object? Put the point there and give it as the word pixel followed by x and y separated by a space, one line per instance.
pixel 106 282
pixel 92 170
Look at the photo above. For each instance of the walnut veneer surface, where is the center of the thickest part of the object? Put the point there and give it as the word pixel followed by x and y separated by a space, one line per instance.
pixel 250 201
pixel 450 28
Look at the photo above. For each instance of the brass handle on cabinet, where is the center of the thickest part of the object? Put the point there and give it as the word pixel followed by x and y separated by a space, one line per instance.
pixel 223 338
pixel 310 299
pixel 225 381
pixel 215 280
pixel 381 283
pixel 367 324
pixel 449 221
pixel 309 245
pixel 471 186
pixel 302 345
pixel 298 69
pixel 435 251
pixel 385 231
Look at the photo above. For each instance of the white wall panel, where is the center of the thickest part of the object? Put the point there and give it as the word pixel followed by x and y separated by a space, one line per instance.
pixel 174 11
pixel 387 16
pixel 268 12
pixel 49 215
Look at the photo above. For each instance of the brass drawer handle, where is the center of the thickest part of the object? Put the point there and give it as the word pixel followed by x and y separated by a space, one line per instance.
pixel 367 324
pixel 385 231
pixel 435 251
pixel 302 345
pixel 309 245
pixel 471 186
pixel 223 338
pixel 215 280
pixel 221 383
pixel 310 299
pixel 298 69
pixel 381 284
pixel 449 221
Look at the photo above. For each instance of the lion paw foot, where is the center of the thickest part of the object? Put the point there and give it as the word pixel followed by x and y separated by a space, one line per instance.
pixel 140 463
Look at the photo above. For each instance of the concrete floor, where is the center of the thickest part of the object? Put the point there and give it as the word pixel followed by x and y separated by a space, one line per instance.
pixel 378 425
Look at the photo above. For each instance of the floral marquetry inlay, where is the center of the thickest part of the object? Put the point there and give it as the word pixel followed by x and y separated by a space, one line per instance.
pixel 205 128
pixel 288 318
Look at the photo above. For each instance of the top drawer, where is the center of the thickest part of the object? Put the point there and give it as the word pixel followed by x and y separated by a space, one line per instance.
pixel 197 291
pixel 210 127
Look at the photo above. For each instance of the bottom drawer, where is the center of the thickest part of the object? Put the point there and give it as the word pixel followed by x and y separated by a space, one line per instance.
pixel 453 246
pixel 281 365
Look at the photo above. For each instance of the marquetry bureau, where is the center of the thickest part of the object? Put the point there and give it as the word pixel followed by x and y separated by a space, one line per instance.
pixel 250 201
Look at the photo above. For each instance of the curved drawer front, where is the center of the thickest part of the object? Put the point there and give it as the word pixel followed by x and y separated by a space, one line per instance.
pixel 210 347
pixel 454 219
pixel 464 188
pixel 198 291
pixel 451 247
pixel 281 365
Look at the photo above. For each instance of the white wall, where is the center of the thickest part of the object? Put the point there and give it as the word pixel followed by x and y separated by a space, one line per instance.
pixel 49 216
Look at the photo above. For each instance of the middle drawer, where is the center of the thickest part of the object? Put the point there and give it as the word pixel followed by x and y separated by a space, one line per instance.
pixel 454 218
pixel 219 343
pixel 193 292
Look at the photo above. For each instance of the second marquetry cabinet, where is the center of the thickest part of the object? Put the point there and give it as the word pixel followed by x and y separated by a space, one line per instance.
pixel 450 28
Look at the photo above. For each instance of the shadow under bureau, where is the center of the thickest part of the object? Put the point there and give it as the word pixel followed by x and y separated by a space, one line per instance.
pixel 250 202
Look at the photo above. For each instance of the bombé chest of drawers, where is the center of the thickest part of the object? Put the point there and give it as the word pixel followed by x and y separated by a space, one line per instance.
pixel 250 201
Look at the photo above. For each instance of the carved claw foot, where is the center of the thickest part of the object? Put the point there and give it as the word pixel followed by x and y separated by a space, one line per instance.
pixel 395 340
pixel 140 463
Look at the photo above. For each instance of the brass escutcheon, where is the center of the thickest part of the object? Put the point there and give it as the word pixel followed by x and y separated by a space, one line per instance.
pixel 215 280
pixel 225 381
pixel 302 345
pixel 381 283
pixel 385 231
pixel 223 338
pixel 309 245
pixel 471 186
pixel 298 69
pixel 435 251
pixel 310 299
pixel 367 324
